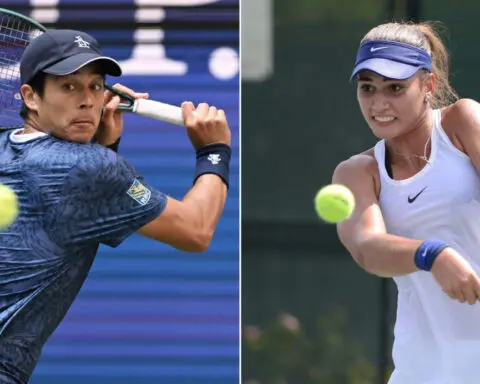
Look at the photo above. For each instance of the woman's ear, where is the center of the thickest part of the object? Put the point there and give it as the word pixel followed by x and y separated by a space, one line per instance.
pixel 431 84
pixel 29 97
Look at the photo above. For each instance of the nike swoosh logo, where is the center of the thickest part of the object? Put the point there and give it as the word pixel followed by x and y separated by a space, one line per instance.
pixel 412 199
pixel 373 49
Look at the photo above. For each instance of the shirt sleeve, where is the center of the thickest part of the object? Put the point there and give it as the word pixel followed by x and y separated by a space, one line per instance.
pixel 103 200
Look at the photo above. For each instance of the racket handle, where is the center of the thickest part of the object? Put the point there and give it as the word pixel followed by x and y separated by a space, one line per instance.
pixel 159 111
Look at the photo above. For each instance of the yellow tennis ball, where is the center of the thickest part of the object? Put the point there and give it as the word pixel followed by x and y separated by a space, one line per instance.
pixel 8 206
pixel 334 203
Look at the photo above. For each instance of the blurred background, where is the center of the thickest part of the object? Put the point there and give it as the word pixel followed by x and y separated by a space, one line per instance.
pixel 310 315
pixel 148 313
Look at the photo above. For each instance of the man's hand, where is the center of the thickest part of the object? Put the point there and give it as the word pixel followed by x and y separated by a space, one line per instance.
pixel 111 124
pixel 206 125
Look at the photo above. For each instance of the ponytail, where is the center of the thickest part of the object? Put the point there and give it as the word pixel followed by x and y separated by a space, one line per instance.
pixel 444 93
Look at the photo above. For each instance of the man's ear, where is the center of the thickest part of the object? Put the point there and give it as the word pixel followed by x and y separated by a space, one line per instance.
pixel 29 97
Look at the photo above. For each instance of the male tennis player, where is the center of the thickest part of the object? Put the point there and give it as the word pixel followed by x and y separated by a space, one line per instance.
pixel 75 195
pixel 417 217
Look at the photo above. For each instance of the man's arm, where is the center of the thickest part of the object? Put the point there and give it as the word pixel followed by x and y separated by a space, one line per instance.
pixel 190 224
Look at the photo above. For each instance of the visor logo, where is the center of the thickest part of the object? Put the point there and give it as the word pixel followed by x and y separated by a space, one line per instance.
pixel 374 49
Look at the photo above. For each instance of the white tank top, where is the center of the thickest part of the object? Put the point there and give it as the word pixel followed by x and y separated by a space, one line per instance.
pixel 437 340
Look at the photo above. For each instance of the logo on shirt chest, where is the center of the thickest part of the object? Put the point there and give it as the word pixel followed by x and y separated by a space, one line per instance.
pixel 139 192
pixel 411 199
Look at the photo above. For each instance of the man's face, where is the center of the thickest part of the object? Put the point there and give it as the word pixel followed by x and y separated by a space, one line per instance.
pixel 71 106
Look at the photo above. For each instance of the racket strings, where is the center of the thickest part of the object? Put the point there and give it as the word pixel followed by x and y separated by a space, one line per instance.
pixel 15 35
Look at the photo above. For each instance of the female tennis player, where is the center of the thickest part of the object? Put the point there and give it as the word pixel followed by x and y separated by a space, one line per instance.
pixel 417 217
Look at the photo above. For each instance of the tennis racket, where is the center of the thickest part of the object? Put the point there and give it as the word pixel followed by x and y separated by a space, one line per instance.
pixel 16 32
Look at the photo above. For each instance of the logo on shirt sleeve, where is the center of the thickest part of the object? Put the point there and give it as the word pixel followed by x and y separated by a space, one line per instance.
pixel 139 192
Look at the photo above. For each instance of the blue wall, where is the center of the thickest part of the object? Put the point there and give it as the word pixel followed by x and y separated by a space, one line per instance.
pixel 148 313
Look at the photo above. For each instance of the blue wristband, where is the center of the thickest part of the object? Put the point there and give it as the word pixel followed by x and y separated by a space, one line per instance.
pixel 214 159
pixel 427 252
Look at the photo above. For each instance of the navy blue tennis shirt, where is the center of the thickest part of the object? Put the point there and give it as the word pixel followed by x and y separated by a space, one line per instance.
pixel 73 197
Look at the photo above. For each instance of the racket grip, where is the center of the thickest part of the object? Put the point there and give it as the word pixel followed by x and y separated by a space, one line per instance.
pixel 159 111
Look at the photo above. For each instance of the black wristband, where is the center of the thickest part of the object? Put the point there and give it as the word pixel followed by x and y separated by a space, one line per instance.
pixel 114 146
pixel 214 159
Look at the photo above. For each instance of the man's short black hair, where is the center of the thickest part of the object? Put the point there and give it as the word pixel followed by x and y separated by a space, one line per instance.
pixel 38 86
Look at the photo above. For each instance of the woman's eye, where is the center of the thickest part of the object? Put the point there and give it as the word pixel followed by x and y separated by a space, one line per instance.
pixel 366 88
pixel 396 88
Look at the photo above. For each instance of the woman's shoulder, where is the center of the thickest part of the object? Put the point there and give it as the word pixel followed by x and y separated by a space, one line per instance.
pixel 462 109
pixel 461 120
pixel 360 169
pixel 361 163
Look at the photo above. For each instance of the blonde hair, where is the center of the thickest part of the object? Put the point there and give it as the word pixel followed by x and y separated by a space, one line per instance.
pixel 423 36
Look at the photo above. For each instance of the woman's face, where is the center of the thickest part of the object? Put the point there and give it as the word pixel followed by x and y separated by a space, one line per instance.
pixel 392 107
